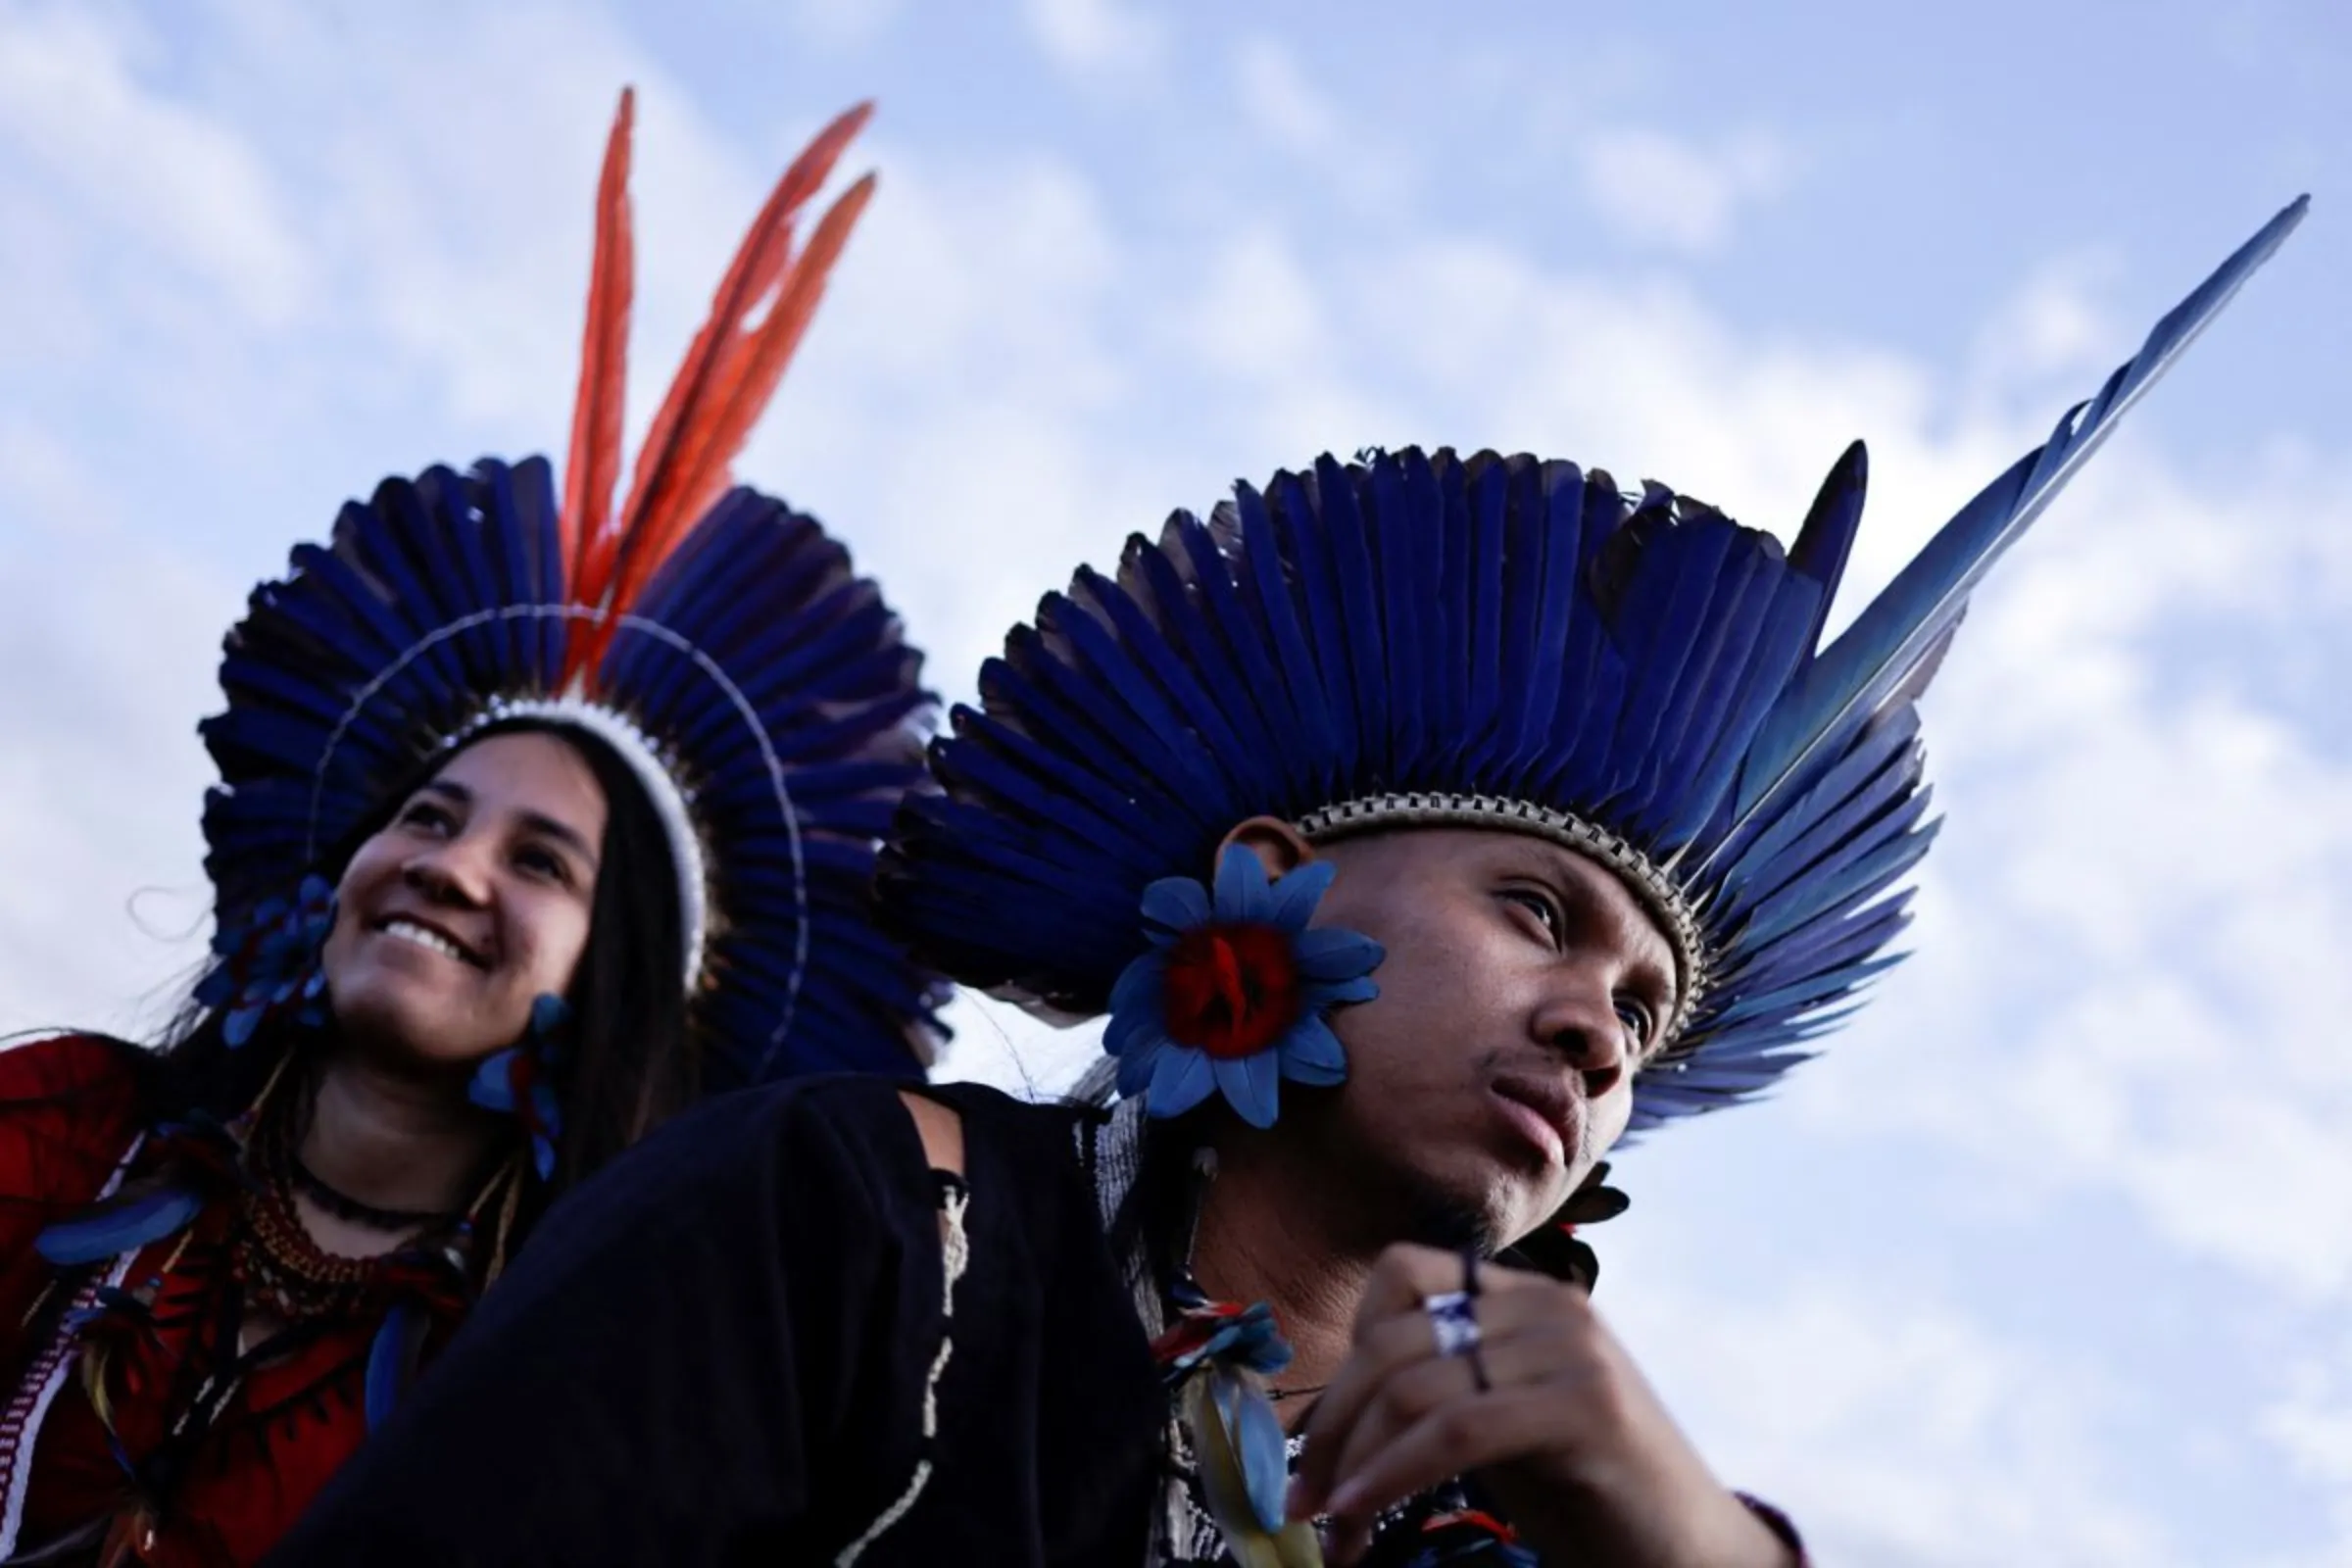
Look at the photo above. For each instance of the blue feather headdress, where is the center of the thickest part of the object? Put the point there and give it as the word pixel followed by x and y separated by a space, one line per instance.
pixel 719 641
pixel 1491 642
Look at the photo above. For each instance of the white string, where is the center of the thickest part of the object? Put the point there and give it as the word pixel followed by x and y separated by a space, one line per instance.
pixel 956 1254
pixel 61 1354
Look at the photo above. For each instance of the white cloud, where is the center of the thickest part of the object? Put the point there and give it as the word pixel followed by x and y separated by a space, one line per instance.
pixel 1668 192
pixel 1258 313
pixel 847 23
pixel 1901 1433
pixel 1099 40
pixel 182 189
pixel 2310 1428
pixel 1277 97
pixel 109 645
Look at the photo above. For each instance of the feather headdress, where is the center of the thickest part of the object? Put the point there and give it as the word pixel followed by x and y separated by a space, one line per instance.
pixel 1491 642
pixel 717 638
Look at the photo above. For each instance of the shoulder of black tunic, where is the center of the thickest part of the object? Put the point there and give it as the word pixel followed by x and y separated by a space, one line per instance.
pixel 720 1350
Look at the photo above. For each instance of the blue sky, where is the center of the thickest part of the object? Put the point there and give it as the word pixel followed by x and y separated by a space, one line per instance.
pixel 2047 1259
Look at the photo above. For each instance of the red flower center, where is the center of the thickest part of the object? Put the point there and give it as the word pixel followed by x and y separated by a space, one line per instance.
pixel 1232 990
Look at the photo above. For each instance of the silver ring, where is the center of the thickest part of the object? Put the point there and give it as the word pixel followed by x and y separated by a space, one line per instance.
pixel 1454 1320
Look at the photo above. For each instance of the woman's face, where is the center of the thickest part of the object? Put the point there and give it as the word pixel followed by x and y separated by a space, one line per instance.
pixel 473 901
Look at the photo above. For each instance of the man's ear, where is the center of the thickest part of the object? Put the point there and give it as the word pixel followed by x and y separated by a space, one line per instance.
pixel 1279 847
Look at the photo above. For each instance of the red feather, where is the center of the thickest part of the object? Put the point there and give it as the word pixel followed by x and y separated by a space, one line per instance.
pixel 730 372
pixel 594 469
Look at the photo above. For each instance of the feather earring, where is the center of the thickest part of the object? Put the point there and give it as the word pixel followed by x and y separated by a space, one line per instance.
pixel 272 962
pixel 520 1082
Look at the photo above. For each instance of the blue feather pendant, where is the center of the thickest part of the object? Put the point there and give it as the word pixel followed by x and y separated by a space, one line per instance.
pixel 392 1357
pixel 136 1216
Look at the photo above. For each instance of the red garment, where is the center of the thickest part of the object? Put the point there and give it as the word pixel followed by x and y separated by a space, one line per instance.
pixel 69 1112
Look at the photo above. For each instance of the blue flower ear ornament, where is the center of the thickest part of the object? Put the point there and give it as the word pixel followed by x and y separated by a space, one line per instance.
pixel 521 1081
pixel 273 960
pixel 1233 995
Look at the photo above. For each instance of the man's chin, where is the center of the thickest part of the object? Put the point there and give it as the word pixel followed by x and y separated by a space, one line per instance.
pixel 1440 1214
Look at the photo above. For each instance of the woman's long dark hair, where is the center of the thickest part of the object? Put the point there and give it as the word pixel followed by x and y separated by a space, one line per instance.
pixel 628 1061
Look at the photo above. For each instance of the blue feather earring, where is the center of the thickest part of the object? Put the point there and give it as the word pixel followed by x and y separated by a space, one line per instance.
pixel 521 1081
pixel 1232 995
pixel 273 961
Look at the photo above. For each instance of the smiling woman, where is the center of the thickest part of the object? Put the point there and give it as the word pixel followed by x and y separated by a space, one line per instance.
pixel 527 833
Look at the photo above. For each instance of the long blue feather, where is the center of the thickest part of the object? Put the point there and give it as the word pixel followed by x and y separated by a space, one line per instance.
pixel 1555 494
pixel 1307 548
pixel 1227 606
pixel 1487 485
pixel 1452 648
pixel 1395 506
pixel 1158 608
pixel 1826 536
pixel 388 1355
pixel 1277 622
pixel 1348 556
pixel 1597 663
pixel 1843 687
pixel 121 1224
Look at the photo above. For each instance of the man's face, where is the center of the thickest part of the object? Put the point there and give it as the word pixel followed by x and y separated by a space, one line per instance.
pixel 1522 985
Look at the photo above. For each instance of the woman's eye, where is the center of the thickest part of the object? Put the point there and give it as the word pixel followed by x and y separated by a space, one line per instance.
pixel 544 862
pixel 1638 1022
pixel 428 816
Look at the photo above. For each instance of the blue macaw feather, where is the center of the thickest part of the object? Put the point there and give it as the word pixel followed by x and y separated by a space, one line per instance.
pixel 1295 893
pixel 1825 944
pixel 1135 1003
pixel 1161 677
pixel 134 1217
pixel 1032 678
pixel 1843 685
pixel 1243 892
pixel 1255 1432
pixel 1176 903
pixel 1312 1055
pixel 1883 749
pixel 1196 661
pixel 1188 553
pixel 1142 710
pixel 1325 993
pixel 392 1362
pixel 1485 496
pixel 1252 1084
pixel 1345 531
pixel 1332 953
pixel 1307 548
pixel 1826 535
pixel 1404 568
pixel 1180 1080
pixel 1602 679
pixel 1782 642
pixel 1722 652
pixel 1275 623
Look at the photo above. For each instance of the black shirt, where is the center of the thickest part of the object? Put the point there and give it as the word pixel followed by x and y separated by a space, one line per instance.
pixel 718 1352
